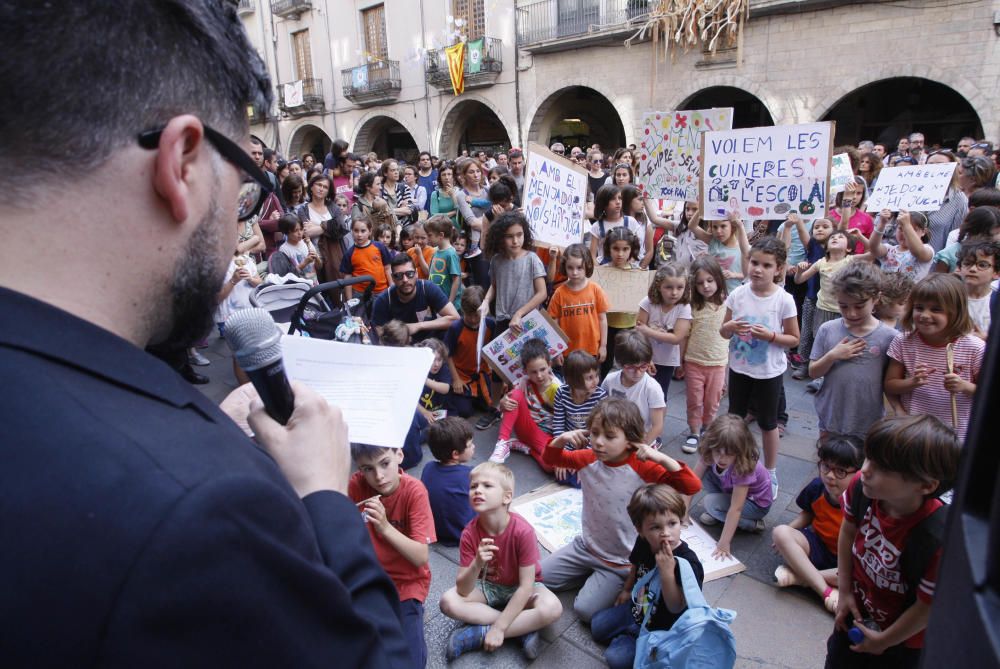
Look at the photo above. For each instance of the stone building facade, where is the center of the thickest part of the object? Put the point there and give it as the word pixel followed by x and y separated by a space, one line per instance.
pixel 559 69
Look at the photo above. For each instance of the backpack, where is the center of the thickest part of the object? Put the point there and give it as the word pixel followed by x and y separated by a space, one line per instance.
pixel 700 639
pixel 924 540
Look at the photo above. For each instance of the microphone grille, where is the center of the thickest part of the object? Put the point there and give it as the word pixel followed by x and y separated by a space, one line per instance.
pixel 254 338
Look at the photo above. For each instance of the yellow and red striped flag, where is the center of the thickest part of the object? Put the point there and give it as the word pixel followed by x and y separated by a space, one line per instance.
pixel 456 66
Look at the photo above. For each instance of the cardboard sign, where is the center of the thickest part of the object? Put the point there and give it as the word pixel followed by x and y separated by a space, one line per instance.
pixel 840 172
pixel 911 187
pixel 765 173
pixel 504 353
pixel 554 197
pixel 624 288
pixel 670 151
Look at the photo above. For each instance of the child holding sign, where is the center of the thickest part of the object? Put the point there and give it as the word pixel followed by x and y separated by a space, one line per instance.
pixel 728 243
pixel 517 275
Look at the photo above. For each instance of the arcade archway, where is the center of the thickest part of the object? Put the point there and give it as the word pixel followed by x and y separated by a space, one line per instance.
pixel 578 116
pixel 471 125
pixel 387 137
pixel 748 110
pixel 309 139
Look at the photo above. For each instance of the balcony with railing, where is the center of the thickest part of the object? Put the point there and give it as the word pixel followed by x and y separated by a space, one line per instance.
pixel 302 97
pixel 246 7
pixel 478 72
pixel 552 25
pixel 375 82
pixel 290 9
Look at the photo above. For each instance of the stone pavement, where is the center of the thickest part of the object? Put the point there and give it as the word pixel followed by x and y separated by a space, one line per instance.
pixel 774 628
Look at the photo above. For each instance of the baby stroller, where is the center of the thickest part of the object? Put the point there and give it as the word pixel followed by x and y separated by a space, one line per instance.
pixel 306 311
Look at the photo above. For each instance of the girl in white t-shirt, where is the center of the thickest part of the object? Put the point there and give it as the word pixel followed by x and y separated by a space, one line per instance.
pixel 913 254
pixel 609 212
pixel 665 318
pixel 760 325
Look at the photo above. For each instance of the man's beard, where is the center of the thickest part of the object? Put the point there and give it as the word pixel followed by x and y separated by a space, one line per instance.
pixel 198 276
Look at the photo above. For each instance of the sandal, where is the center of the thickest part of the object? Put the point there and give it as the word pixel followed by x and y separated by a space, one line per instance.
pixel 831 597
pixel 785 577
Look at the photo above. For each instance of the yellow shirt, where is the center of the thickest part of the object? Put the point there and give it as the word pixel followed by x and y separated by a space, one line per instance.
pixel 705 345
pixel 826 299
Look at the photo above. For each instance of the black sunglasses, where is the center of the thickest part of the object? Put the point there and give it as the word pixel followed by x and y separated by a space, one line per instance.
pixel 255 186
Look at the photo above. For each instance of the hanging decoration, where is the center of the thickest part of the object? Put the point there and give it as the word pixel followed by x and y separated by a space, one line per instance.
pixel 688 23
pixel 455 55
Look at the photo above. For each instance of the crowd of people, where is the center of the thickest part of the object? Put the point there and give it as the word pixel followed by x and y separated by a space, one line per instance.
pixel 887 314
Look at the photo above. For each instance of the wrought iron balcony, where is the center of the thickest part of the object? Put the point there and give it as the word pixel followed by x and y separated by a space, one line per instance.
pixel 290 9
pixel 477 74
pixel 373 83
pixel 553 25
pixel 246 7
pixel 311 101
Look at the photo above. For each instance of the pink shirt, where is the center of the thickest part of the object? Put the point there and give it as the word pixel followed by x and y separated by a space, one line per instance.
pixel 518 548
pixel 932 398
pixel 861 221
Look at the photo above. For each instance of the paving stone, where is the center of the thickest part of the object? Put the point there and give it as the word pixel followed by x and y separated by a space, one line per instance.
pixel 444 572
pixel 564 654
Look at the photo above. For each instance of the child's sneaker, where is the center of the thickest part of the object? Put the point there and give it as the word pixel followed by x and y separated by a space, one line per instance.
pixel 801 373
pixel 501 451
pixel 815 385
pixel 488 419
pixel 706 519
pixel 785 577
pixel 465 639
pixel 531 643
pixel 690 444
pixel 519 446
pixel 758 526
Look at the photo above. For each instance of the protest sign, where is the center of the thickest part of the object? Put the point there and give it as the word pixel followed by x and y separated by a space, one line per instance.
pixel 911 187
pixel 554 196
pixel 504 353
pixel 670 151
pixel 766 172
pixel 624 288
pixel 840 172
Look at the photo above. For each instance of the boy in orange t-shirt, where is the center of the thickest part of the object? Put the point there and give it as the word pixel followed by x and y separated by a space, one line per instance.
pixel 398 512
pixel 469 385
pixel 580 306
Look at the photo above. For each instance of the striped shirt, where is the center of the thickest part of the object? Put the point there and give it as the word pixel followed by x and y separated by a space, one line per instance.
pixel 403 196
pixel 947 218
pixel 568 415
pixel 909 349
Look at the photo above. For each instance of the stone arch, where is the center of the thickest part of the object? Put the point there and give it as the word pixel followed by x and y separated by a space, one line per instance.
pixel 540 131
pixel 454 120
pixel 309 138
pixel 782 112
pixel 370 134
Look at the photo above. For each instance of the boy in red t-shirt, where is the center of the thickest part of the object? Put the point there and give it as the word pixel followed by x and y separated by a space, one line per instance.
pixel 401 524
pixel 499 591
pixel 890 543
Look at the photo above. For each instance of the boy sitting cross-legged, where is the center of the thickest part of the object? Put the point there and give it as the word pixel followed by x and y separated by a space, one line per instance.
pixel 498 592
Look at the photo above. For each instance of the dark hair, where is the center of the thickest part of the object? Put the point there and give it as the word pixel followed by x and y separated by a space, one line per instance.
pixel 707 263
pixel 980 169
pixel 383 169
pixel 971 248
pixel 874 163
pixel 919 448
pixel 149 62
pixel 858 280
pixel 629 195
pixel 979 223
pixel 329 187
pixel 632 348
pixel 400 259
pixel 515 153
pixel 385 227
pixel 653 499
pixel 269 154
pixel 307 155
pixel 621 234
pixel 631 175
pixel 620 414
pixel 580 251
pixel 422 154
pixel 289 185
pixel 472 298
pixel 499 193
pixel 499 228
pixel 860 181
pixel 288 223
pixel 365 181
pixel 448 435
pixel 771 246
pixel 985 197
pixel 605 194
pixel 367 451
pixel 534 349
pixel 948 292
pixel 441 170
pixel 576 366
pixel 840 449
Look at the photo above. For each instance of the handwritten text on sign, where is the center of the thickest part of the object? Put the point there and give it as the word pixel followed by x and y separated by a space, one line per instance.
pixel 670 151
pixel 911 187
pixel 624 288
pixel 554 196
pixel 504 352
pixel 766 172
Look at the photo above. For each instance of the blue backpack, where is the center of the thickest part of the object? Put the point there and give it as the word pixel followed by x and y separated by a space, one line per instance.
pixel 700 639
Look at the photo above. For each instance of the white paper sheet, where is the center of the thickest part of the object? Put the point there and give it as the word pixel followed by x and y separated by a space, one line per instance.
pixel 377 387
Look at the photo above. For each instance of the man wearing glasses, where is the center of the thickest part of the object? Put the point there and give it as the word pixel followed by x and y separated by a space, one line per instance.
pixel 139 525
pixel 419 303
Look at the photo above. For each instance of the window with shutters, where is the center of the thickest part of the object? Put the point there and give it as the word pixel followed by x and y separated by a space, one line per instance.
pixel 473 15
pixel 303 55
pixel 373 20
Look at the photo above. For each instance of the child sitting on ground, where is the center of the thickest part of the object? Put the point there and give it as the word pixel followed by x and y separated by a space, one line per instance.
pixel 890 543
pixel 470 385
pixel 401 526
pixel 809 543
pixel 447 479
pixel 527 409
pixel 635 354
pixel 499 554
pixel 575 400
pixel 656 511
pixel 737 484
pixel 617 462
pixel 435 399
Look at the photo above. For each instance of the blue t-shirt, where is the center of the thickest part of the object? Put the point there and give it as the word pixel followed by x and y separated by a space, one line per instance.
pixel 430 399
pixel 427 303
pixel 429 183
pixel 814 252
pixel 448 491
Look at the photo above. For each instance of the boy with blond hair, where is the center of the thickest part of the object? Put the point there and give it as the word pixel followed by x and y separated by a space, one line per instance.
pixel 499 591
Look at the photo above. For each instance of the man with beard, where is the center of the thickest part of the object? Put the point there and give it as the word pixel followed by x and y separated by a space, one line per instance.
pixel 139 525
pixel 419 303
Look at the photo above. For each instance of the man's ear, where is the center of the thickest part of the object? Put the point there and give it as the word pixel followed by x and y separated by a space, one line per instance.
pixel 180 144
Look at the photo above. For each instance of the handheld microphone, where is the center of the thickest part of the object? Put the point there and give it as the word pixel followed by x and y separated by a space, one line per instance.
pixel 255 341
